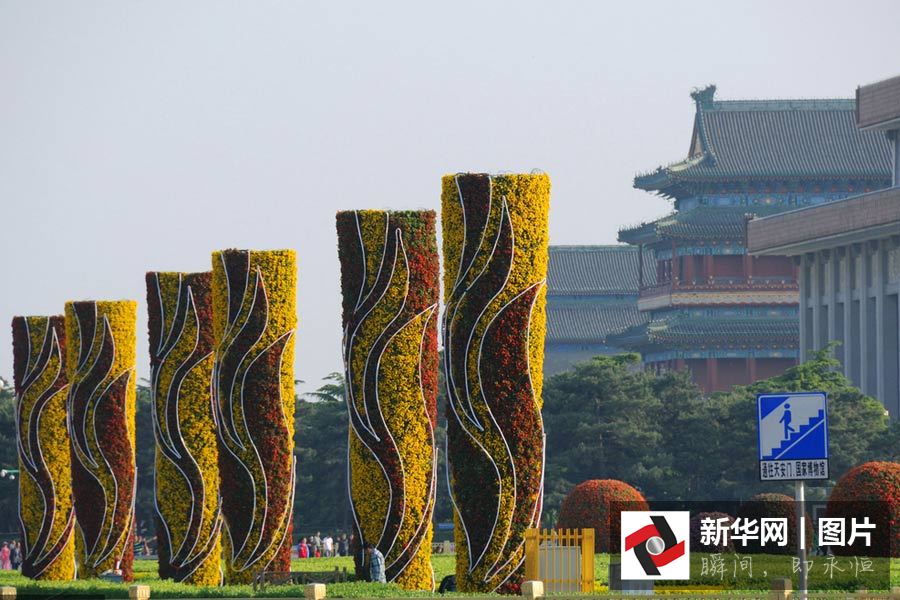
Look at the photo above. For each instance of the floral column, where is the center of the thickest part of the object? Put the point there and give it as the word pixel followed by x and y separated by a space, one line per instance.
pixel 46 515
pixel 389 281
pixel 100 361
pixel 495 265
pixel 254 318
pixel 179 308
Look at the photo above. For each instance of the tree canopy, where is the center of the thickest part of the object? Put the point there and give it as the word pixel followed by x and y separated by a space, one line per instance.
pixel 607 418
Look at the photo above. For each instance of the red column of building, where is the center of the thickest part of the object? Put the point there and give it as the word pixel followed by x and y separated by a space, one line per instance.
pixel 676 262
pixel 640 266
pixel 751 369
pixel 708 268
pixel 712 375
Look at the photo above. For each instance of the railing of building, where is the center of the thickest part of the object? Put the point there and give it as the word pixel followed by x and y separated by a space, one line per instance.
pixel 720 284
pixel 562 558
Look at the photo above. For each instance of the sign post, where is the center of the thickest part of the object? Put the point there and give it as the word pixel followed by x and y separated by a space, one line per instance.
pixel 793 446
pixel 800 503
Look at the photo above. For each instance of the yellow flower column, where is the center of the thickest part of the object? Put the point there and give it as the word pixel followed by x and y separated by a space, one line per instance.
pixel 254 319
pixel 100 361
pixel 495 236
pixel 45 488
pixel 179 309
pixel 389 281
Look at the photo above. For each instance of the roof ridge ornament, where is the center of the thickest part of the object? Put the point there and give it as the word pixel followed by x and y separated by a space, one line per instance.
pixel 704 96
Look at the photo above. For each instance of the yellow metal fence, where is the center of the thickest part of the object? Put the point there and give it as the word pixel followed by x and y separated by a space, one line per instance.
pixel 562 558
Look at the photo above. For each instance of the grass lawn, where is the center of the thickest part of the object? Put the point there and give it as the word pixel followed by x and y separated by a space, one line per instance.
pixel 764 569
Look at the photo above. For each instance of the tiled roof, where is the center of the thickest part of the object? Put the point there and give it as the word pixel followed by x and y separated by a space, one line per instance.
pixel 700 223
pixel 758 139
pixel 686 331
pixel 585 321
pixel 596 270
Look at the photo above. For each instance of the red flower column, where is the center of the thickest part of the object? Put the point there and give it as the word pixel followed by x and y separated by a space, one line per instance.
pixel 100 364
pixel 46 515
pixel 389 280
pixel 495 266
pixel 254 319
pixel 179 311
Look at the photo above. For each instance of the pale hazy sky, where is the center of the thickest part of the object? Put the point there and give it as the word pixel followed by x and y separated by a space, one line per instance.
pixel 140 136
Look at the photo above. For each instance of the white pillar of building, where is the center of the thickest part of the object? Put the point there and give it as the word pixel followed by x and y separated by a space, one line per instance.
pixel 805 332
pixel 847 297
pixel 863 290
pixel 814 296
pixel 832 283
pixel 879 270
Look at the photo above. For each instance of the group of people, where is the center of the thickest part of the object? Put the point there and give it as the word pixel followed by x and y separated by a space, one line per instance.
pixel 317 546
pixel 369 561
pixel 10 556
pixel 11 552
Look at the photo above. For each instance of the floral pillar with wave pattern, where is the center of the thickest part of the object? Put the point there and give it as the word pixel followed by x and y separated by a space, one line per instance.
pixel 179 309
pixel 495 266
pixel 46 516
pixel 100 361
pixel 254 318
pixel 389 280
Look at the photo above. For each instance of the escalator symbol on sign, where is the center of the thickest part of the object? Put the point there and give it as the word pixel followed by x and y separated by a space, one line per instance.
pixel 793 435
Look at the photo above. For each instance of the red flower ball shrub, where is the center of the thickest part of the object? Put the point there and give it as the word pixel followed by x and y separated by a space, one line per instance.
pixel 696 546
pixel 771 506
pixel 870 490
pixel 596 504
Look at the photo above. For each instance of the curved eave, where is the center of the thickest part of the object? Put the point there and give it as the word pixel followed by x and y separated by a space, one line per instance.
pixel 666 183
pixel 643 234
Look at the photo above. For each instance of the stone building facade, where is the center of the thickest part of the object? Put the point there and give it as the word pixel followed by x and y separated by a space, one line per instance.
pixel 848 258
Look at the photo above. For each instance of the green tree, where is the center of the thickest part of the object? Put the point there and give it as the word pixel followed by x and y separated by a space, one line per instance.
pixel 144 459
pixel 692 427
pixel 331 391
pixel 858 425
pixel 320 445
pixel 606 418
pixel 886 446
pixel 9 459
pixel 602 420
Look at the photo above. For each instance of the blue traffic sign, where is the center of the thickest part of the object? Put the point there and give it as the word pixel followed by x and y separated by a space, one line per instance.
pixel 793 436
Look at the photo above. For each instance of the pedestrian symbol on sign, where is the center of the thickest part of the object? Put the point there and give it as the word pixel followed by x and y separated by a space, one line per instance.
pixel 786 419
pixel 793 436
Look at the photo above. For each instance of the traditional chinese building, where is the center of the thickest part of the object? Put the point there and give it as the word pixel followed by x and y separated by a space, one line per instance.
pixel 848 253
pixel 592 293
pixel 729 317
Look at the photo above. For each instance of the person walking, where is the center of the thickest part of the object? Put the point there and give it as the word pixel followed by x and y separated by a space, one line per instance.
pixel 328 545
pixel 4 557
pixel 344 545
pixel 376 563
pixel 316 542
pixel 15 555
pixel 302 549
